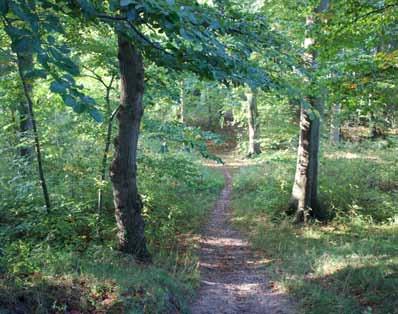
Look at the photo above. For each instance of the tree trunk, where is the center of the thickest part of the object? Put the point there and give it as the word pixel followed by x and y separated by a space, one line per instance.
pixel 123 172
pixel 25 120
pixel 27 89
pixel 181 114
pixel 335 125
pixel 108 137
pixel 252 121
pixel 305 187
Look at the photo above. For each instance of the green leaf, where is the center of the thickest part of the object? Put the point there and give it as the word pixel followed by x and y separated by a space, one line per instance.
pixel 63 62
pixel 42 58
pixel 114 5
pixel 36 73
pixel 58 87
pixel 88 100
pixel 3 7
pixel 125 3
pixel 23 45
pixel 132 15
pixel 185 35
pixel 87 8
pixel 70 101
pixel 96 115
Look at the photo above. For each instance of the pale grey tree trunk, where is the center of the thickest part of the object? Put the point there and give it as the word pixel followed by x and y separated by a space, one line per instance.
pixel 252 122
pixel 123 172
pixel 335 124
pixel 305 187
pixel 181 113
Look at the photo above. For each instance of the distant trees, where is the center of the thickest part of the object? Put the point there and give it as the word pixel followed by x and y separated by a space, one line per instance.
pixel 252 122
pixel 192 39
pixel 28 126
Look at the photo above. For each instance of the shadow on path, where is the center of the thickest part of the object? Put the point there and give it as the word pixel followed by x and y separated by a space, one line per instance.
pixel 232 276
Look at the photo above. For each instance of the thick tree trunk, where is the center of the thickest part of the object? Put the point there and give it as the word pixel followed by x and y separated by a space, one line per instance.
pixel 335 125
pixel 123 172
pixel 25 120
pixel 27 89
pixel 252 121
pixel 305 187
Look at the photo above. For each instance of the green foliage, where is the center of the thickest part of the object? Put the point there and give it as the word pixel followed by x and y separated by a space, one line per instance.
pixel 73 243
pixel 65 260
pixel 346 266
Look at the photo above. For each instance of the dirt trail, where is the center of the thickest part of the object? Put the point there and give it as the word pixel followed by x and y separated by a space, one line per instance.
pixel 232 276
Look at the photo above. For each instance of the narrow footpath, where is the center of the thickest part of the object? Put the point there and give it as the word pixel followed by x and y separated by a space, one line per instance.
pixel 233 278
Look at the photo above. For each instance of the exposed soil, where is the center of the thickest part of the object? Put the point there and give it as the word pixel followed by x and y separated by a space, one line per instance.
pixel 233 278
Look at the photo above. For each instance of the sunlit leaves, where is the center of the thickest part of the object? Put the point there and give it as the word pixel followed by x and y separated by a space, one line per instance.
pixel 39 39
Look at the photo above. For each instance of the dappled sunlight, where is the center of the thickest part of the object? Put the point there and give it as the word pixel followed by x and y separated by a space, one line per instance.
pixel 233 276
pixel 351 156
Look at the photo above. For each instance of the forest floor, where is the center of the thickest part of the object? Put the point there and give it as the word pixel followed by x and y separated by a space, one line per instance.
pixel 233 276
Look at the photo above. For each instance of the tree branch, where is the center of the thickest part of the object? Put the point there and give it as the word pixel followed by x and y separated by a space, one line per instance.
pixel 376 11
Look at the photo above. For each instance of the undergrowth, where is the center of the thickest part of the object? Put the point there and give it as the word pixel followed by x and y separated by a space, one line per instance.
pixel 65 262
pixel 350 264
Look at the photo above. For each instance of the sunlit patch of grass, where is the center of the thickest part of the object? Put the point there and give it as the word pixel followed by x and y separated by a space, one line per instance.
pixel 349 265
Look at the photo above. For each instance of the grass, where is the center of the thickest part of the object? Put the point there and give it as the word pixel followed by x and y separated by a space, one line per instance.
pixel 349 265
pixel 58 264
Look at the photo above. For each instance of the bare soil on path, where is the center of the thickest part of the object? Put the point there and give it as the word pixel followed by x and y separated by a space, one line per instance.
pixel 233 277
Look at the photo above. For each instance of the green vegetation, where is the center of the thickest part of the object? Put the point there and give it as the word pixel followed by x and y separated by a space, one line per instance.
pixel 65 260
pixel 112 114
pixel 346 266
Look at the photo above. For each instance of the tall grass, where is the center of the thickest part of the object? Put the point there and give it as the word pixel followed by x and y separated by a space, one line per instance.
pixel 350 264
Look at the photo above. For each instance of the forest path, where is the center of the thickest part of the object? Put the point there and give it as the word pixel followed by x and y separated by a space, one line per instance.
pixel 233 278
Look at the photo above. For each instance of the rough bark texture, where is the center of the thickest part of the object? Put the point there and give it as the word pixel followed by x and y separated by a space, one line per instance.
pixel 252 121
pixel 25 119
pixel 335 125
pixel 305 187
pixel 123 172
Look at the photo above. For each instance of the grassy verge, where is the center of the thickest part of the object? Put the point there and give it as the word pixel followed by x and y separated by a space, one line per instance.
pixel 347 266
pixel 65 262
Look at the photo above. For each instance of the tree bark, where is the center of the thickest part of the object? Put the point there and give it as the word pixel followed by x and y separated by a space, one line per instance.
pixel 25 119
pixel 181 113
pixel 305 187
pixel 108 137
pixel 335 125
pixel 123 172
pixel 27 89
pixel 252 121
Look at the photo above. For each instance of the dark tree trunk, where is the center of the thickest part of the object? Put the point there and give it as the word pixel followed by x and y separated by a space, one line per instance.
pixel 25 120
pixel 27 89
pixel 123 172
pixel 305 187
pixel 252 121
